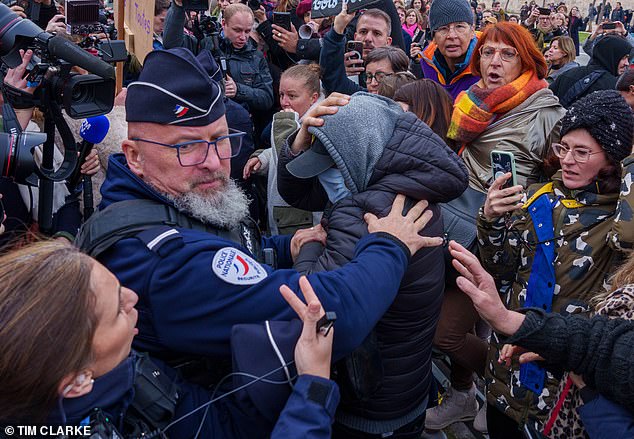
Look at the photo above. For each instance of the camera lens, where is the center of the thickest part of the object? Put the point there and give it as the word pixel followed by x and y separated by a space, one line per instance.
pixel 5 157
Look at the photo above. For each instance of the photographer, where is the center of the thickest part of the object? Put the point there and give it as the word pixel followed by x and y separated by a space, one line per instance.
pixel 603 30
pixel 24 8
pixel 373 29
pixel 248 80
pixel 22 205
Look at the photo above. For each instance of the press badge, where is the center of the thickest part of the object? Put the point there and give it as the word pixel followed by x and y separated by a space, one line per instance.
pixel 236 267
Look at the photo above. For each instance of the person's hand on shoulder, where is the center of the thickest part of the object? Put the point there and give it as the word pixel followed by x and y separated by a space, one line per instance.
pixel 405 228
pixel 313 351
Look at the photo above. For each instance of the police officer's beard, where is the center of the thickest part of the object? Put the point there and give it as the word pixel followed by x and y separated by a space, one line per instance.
pixel 224 207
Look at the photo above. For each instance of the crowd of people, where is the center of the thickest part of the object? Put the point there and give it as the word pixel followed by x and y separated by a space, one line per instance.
pixel 298 213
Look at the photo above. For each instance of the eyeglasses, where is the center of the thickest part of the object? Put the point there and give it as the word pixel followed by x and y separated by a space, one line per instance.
pixel 579 155
pixel 379 76
pixel 195 152
pixel 507 54
pixel 460 29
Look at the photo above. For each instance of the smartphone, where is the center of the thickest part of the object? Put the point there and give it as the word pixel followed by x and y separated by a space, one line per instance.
pixel 608 26
pixel 503 162
pixel 357 47
pixel 544 11
pixel 282 19
pixel 419 37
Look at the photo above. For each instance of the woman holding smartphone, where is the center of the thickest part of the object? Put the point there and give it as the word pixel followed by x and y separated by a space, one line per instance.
pixel 509 109
pixel 556 249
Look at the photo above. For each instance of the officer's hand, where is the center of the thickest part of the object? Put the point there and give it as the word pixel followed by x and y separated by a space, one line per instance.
pixel 253 165
pixel 287 40
pixel 230 87
pixel 405 228
pixel 312 118
pixel 313 350
pixel 303 236
pixel 91 165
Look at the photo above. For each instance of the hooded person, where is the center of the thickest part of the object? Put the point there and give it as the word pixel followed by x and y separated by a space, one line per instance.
pixel 360 159
pixel 609 60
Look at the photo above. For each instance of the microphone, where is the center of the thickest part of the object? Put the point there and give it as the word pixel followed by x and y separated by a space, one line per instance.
pixel 93 130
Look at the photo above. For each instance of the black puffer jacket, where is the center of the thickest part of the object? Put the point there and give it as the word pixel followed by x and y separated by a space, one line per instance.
pixel 415 162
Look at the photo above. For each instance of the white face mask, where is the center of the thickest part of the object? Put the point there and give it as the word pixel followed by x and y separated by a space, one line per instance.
pixel 334 184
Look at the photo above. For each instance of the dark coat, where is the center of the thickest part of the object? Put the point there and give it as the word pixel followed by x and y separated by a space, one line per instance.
pixel 605 58
pixel 417 163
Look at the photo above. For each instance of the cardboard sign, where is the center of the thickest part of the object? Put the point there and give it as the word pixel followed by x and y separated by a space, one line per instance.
pixel 139 27
pixel 330 8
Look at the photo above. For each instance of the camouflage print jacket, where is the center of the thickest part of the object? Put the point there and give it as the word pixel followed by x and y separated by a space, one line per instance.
pixel 591 233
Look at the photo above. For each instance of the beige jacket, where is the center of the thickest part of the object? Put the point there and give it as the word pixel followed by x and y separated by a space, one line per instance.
pixel 527 131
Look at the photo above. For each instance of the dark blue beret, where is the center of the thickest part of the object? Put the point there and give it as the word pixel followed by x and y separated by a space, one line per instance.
pixel 176 88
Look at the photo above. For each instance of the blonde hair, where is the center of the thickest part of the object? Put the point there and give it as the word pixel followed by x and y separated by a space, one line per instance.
pixel 235 9
pixel 307 73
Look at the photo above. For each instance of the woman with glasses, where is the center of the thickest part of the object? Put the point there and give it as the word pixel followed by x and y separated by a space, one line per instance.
pixel 555 247
pixel 509 109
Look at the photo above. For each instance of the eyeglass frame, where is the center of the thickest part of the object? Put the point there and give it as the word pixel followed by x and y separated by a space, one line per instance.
pixel 369 76
pixel 571 150
pixel 441 30
pixel 500 52
pixel 177 146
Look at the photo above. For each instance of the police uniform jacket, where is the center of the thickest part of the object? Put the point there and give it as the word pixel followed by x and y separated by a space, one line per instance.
pixel 193 286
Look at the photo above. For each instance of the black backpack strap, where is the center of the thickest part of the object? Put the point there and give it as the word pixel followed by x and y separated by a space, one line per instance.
pixel 580 87
pixel 127 219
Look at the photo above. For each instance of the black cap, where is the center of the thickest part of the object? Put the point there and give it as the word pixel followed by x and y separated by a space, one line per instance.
pixel 312 162
pixel 175 88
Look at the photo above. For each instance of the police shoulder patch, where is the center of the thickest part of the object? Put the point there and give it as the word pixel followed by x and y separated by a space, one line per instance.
pixel 236 267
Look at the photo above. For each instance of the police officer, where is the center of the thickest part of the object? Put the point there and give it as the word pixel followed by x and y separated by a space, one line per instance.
pixel 199 272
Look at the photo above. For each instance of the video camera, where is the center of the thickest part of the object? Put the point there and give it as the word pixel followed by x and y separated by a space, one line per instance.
pixel 81 96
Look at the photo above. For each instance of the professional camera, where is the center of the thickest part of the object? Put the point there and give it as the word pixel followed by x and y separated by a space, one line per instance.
pixel 16 155
pixel 82 17
pixel 81 95
pixel 31 8
pixel 209 26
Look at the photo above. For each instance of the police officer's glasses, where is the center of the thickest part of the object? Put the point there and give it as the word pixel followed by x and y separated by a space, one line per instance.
pixel 195 152
pixel 579 155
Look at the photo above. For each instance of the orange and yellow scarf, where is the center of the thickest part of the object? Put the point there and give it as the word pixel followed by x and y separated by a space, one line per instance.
pixel 476 108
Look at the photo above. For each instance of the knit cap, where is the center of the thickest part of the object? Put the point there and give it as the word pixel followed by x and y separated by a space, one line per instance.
pixel 608 119
pixel 444 12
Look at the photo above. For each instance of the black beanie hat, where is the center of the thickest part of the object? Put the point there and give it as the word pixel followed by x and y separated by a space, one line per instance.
pixel 608 119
